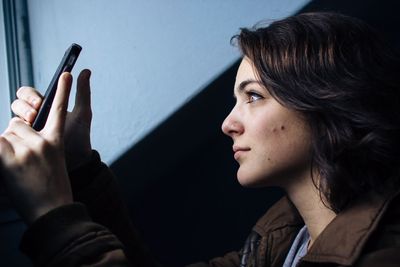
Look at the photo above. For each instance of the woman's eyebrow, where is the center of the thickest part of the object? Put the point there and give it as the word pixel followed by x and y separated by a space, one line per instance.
pixel 243 85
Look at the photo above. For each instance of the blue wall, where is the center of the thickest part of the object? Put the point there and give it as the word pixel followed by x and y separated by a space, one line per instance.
pixel 148 57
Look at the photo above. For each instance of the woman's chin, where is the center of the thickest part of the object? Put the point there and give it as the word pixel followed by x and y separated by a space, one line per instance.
pixel 248 180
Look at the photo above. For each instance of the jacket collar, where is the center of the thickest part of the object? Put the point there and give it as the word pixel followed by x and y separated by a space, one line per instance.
pixel 282 214
pixel 345 236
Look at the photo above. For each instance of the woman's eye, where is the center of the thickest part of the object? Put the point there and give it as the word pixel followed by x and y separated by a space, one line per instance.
pixel 252 97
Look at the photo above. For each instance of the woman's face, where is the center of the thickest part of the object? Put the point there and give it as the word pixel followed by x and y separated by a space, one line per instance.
pixel 270 142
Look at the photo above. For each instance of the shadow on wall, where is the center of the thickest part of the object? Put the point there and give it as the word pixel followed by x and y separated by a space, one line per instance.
pixel 180 181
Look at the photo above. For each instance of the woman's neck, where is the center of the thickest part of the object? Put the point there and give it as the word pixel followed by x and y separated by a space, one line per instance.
pixel 306 198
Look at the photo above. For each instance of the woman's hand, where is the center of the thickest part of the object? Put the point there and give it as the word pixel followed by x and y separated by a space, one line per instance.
pixel 33 163
pixel 77 127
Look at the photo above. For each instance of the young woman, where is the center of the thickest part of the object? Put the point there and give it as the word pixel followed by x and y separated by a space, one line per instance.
pixel 317 113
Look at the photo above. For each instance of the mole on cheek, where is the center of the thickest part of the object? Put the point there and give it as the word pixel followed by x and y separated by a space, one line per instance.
pixel 282 127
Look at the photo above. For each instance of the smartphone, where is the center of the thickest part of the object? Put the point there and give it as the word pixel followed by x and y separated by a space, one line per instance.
pixel 66 65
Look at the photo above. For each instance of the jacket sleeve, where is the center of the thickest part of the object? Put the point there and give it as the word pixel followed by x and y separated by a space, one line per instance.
pixel 66 236
pixel 95 186
pixel 95 230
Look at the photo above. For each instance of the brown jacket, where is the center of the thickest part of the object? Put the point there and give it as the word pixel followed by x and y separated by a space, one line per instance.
pixel 366 234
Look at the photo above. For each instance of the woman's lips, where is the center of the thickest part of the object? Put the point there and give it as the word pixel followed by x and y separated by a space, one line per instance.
pixel 239 151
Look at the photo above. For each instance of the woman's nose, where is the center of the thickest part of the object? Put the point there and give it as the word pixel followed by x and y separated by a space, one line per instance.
pixel 232 126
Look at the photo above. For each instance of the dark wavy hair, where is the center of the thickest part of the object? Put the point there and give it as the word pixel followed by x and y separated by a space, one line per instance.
pixel 340 74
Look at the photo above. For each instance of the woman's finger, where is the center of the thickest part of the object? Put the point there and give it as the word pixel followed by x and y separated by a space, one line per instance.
pixel 18 147
pixel 23 110
pixel 54 128
pixel 27 135
pixel 6 151
pixel 31 96
pixel 82 98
